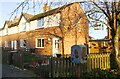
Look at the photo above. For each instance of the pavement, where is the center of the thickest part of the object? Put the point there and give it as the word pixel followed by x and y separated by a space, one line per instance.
pixel 12 71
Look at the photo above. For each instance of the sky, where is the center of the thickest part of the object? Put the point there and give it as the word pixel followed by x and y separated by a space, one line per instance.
pixel 8 6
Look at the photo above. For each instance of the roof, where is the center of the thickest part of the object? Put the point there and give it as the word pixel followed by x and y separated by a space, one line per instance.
pixel 53 11
pixel 30 17
pixel 14 22
pixel 26 16
pixel 6 22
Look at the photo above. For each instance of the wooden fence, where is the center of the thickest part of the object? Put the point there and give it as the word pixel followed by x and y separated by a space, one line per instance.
pixel 60 67
pixel 101 61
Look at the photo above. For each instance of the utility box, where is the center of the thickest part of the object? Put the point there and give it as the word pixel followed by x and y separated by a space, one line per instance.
pixel 79 53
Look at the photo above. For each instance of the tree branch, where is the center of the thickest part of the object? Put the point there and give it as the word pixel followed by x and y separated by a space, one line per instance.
pixel 101 9
pixel 100 21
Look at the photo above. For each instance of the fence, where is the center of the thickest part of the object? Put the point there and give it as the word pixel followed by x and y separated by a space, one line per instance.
pixel 13 58
pixel 58 67
pixel 101 61
pixel 17 59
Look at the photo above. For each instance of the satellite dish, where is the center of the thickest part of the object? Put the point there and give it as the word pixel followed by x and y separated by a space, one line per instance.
pixel 117 45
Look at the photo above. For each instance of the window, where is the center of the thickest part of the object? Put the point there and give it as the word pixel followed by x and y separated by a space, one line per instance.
pixel 14 44
pixel 0 44
pixel 24 28
pixel 40 22
pixel 6 44
pixel 56 44
pixel 40 43
pixel 22 43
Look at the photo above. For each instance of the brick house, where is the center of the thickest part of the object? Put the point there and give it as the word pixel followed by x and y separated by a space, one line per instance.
pixel 49 32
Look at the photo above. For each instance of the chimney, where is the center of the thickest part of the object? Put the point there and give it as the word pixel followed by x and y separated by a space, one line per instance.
pixel 15 19
pixel 46 8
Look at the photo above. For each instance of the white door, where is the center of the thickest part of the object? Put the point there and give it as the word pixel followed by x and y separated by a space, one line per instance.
pixel 55 46
pixel 12 44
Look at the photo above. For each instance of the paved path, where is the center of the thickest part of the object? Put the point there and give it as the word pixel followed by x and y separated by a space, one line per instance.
pixel 11 71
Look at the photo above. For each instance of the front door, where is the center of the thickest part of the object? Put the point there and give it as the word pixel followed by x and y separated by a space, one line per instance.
pixel 55 46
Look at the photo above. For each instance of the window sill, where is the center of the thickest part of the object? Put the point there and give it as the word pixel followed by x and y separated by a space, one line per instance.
pixel 39 27
pixel 22 47
pixel 23 31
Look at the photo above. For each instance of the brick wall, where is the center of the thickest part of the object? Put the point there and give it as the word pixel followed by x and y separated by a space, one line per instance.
pixel 70 16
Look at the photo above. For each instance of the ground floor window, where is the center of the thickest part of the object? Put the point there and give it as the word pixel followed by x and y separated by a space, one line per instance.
pixel 14 44
pixel 40 42
pixel 22 43
pixel 0 43
pixel 6 43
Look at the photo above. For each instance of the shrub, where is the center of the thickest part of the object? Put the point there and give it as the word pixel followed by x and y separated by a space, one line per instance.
pixel 98 74
pixel 113 62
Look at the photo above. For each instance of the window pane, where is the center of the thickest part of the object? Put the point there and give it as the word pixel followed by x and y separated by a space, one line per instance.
pixel 38 42
pixel 39 22
pixel 0 43
pixel 56 44
pixel 6 44
pixel 20 43
pixel 24 43
pixel 42 45
pixel 42 22
pixel 24 26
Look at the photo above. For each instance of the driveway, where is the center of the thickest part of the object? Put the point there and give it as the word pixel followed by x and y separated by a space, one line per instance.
pixel 12 71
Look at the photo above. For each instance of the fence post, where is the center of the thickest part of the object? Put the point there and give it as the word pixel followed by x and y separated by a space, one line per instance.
pixel 51 67
pixel 78 70
pixel 22 61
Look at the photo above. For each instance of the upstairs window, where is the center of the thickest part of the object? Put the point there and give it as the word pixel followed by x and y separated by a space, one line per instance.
pixel 40 23
pixel 40 43
pixel 22 43
pixel 24 26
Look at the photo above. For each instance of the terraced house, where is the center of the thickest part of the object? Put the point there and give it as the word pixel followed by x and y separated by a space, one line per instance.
pixel 53 31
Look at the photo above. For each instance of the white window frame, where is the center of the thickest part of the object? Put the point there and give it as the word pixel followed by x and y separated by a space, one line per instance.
pixel 22 42
pixel 6 43
pixel 41 42
pixel 14 44
pixel 0 43
pixel 57 44
pixel 24 26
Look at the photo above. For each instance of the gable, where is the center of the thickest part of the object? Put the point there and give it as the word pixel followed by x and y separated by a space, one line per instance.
pixel 5 26
pixel 22 20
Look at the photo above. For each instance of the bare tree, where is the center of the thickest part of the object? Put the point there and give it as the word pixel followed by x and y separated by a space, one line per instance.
pixel 109 10
pixel 64 27
pixel 104 9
